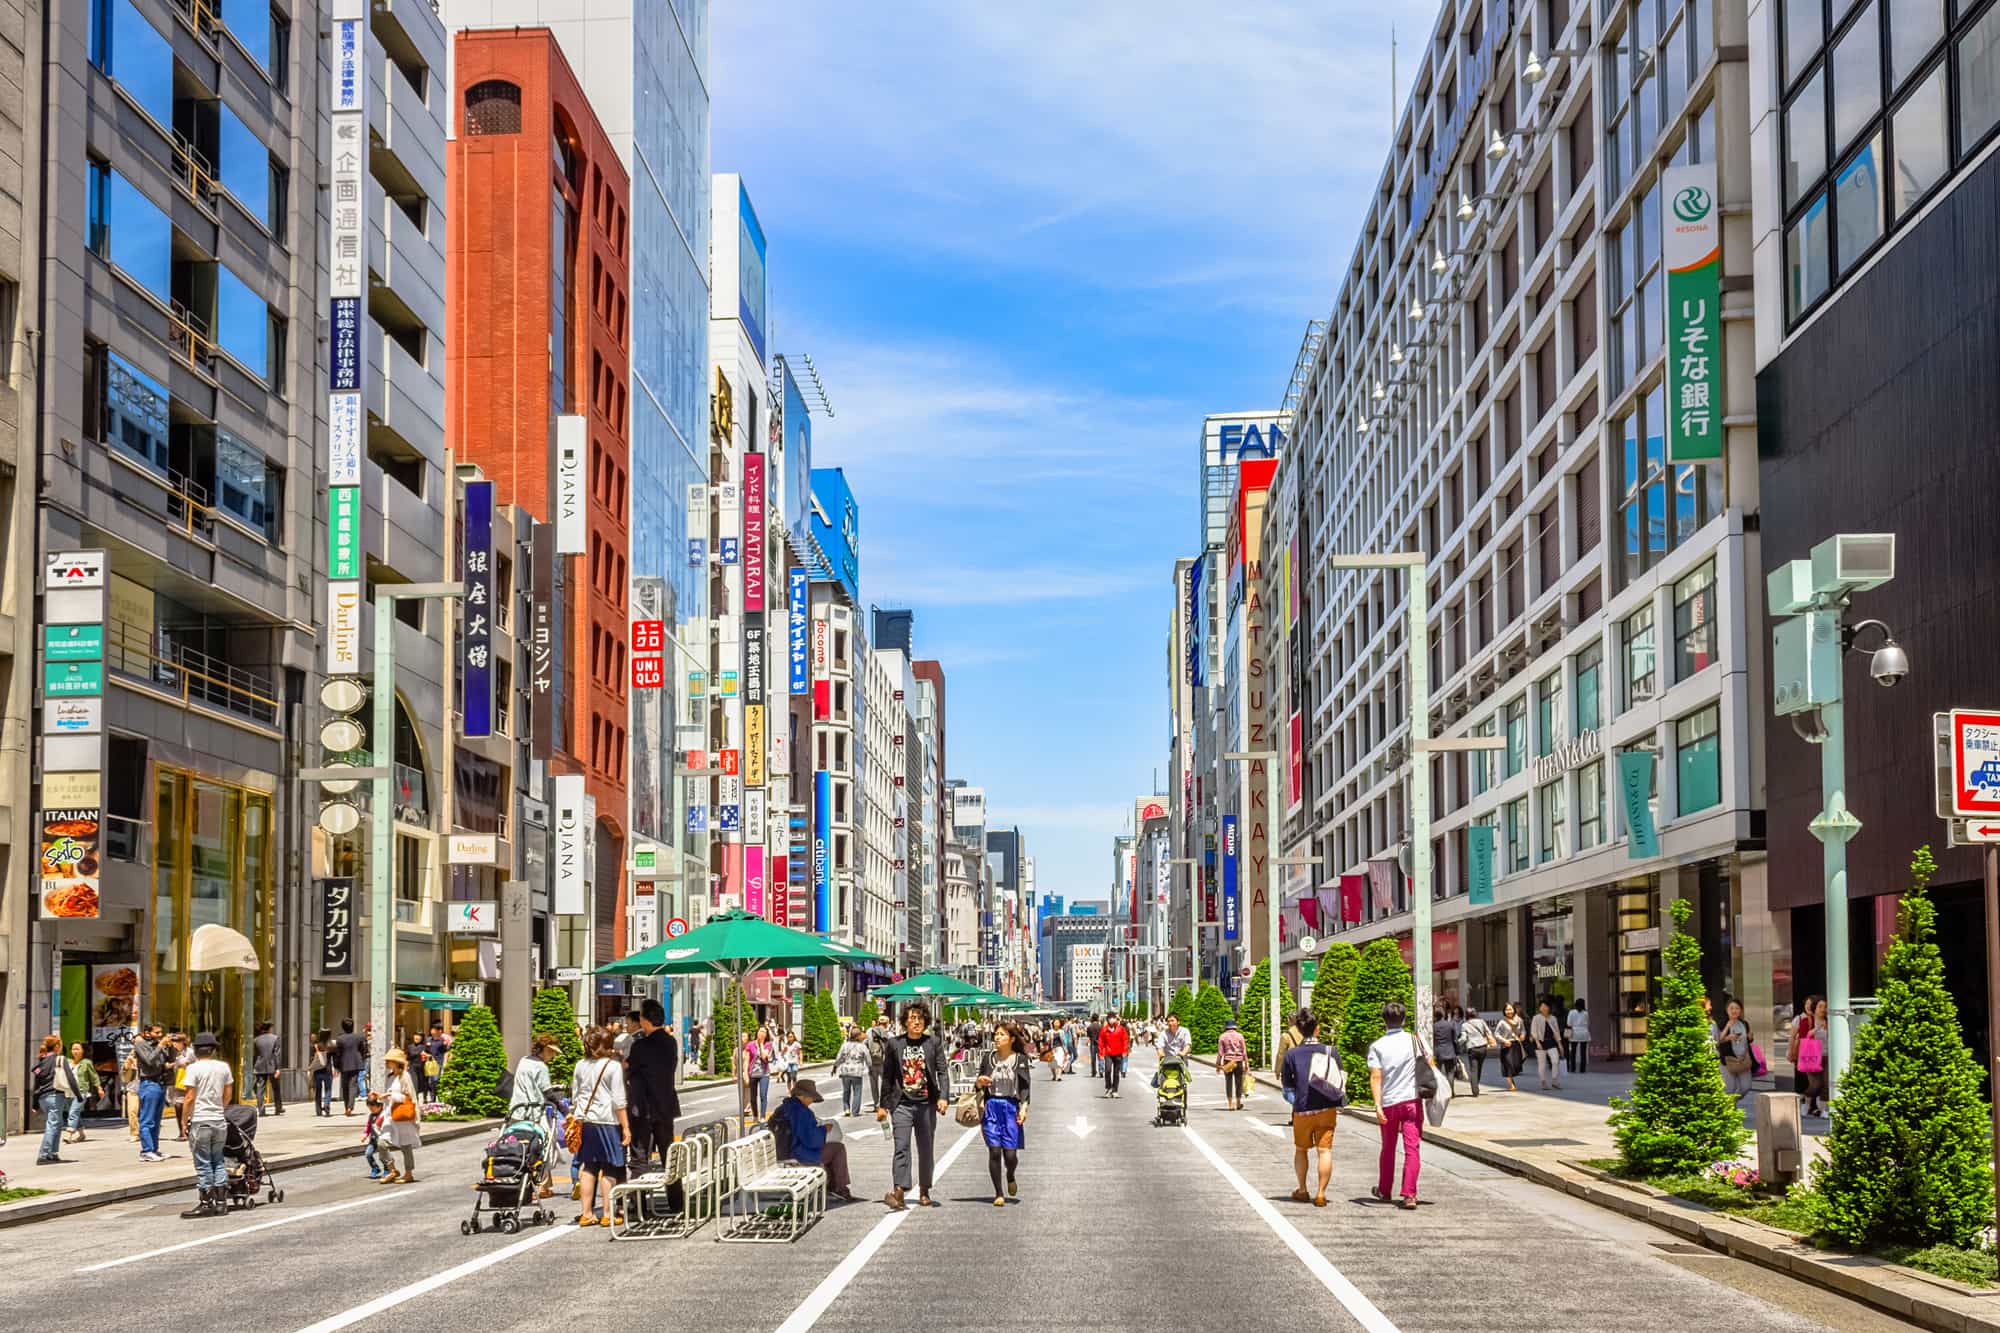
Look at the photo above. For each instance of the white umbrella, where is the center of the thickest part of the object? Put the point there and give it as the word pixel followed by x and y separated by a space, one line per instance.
pixel 214 947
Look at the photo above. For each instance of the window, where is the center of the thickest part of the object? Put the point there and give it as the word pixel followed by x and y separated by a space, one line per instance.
pixel 492 106
pixel 129 232
pixel 1589 684
pixel 1482 761
pixel 1694 622
pixel 126 408
pixel 248 485
pixel 1554 829
pixel 1589 806
pixel 125 45
pixel 1698 760
pixel 260 31
pixel 1517 734
pixel 409 876
pixel 1639 673
pixel 1650 523
pixel 1548 713
pixel 1517 835
pixel 244 327
pixel 247 170
pixel 1867 135
pixel 1635 298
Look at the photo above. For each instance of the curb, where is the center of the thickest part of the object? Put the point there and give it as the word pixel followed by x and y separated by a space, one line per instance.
pixel 63 1203
pixel 1925 1300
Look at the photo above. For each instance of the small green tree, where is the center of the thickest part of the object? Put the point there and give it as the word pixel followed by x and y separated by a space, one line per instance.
pixel 1183 1007
pixel 1333 989
pixel 732 1015
pixel 472 1070
pixel 866 1016
pixel 1909 1155
pixel 1211 1013
pixel 551 1013
pixel 821 1038
pixel 1255 1018
pixel 1381 976
pixel 1678 1117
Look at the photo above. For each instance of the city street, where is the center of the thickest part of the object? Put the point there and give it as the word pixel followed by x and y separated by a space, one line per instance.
pixel 1119 1225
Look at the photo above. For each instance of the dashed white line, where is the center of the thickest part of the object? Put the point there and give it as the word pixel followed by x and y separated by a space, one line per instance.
pixel 239 1231
pixel 436 1280
pixel 1350 1297
pixel 830 1287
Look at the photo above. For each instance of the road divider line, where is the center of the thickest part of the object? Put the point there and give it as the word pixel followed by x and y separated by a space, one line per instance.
pixel 239 1231
pixel 1272 1130
pixel 1350 1297
pixel 828 1291
pixel 432 1283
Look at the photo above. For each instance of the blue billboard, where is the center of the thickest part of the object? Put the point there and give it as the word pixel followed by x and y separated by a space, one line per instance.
pixel 822 850
pixel 1231 906
pixel 750 271
pixel 797 591
pixel 796 423
pixel 836 527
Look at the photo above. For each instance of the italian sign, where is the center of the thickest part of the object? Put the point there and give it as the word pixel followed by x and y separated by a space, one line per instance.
pixel 69 862
pixel 1691 246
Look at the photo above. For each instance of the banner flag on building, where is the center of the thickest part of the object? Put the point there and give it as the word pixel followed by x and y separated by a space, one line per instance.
pixel 1635 788
pixel 1479 858
pixel 1352 887
pixel 1691 250
pixel 1382 878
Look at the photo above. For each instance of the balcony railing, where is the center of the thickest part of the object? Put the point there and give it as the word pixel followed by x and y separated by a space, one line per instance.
pixel 193 172
pixel 188 336
pixel 194 676
pixel 200 15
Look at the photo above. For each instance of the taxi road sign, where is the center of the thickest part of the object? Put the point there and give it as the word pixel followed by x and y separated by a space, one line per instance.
pixel 1975 762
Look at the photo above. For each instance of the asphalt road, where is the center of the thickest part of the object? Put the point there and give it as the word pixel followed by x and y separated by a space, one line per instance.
pixel 1119 1226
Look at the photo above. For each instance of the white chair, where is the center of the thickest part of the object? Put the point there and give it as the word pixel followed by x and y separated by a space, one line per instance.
pixel 750 1172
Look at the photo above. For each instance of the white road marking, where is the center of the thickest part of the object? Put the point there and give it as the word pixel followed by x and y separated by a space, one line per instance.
pixel 1081 1127
pixel 1273 1130
pixel 240 1231
pixel 1331 1278
pixel 432 1283
pixel 830 1287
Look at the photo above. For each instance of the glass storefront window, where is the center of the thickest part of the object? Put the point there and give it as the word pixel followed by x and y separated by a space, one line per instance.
pixel 1589 806
pixel 1553 942
pixel 1548 713
pixel 1694 622
pixel 1639 669
pixel 125 45
pixel 1698 760
pixel 1553 843
pixel 1517 834
pixel 1589 687
pixel 1481 761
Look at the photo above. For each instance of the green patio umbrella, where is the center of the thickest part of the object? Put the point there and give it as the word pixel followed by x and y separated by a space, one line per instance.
pixel 939 987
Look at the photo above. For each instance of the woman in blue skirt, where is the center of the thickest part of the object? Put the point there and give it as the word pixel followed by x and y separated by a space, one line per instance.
pixel 1005 1080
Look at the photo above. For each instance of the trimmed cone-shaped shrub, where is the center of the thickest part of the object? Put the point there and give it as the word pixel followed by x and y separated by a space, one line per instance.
pixel 1183 1007
pixel 551 1013
pixel 1678 1116
pixel 1211 1013
pixel 1380 977
pixel 1908 1157
pixel 866 1015
pixel 471 1081
pixel 1333 989
pixel 1255 1019
pixel 732 1012
pixel 821 1038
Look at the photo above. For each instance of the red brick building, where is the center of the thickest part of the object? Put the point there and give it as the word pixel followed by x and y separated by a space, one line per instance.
pixel 539 285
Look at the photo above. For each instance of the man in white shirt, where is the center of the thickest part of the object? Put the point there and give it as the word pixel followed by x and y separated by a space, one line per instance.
pixel 1392 1075
pixel 210 1085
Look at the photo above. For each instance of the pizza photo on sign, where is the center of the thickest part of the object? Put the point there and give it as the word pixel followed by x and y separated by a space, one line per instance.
pixel 69 863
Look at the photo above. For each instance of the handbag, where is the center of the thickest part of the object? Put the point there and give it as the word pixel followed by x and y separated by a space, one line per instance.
pixel 968 1112
pixel 1438 1102
pixel 405 1110
pixel 1812 1055
pixel 1427 1079
pixel 573 1127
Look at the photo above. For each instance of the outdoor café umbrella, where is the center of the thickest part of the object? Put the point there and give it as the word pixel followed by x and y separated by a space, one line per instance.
pixel 734 944
pixel 942 987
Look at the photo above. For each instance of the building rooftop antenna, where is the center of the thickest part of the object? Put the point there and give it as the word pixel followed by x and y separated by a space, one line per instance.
pixel 818 387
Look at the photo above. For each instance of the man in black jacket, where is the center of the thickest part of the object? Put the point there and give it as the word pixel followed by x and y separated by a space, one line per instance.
pixel 915 1092
pixel 652 1104
pixel 350 1057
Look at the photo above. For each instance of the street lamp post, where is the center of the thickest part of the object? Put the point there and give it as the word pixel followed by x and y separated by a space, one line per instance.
pixel 1194 922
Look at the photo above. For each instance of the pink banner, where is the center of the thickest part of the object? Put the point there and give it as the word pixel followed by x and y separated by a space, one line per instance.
pixel 753 880
pixel 1382 879
pixel 753 532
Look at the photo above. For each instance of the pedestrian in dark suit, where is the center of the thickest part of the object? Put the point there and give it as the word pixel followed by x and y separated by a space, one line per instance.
pixel 266 1062
pixel 651 1101
pixel 350 1057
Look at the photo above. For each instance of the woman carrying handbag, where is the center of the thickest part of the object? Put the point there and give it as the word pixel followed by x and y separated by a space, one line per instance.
pixel 1512 1034
pixel 399 1131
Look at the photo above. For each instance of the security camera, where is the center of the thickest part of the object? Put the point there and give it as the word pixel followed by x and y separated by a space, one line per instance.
pixel 1889 665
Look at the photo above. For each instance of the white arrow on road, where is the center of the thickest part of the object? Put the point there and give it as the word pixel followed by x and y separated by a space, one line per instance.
pixel 1081 1127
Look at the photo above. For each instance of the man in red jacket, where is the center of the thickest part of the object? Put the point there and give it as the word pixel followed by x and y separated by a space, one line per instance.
pixel 1114 1043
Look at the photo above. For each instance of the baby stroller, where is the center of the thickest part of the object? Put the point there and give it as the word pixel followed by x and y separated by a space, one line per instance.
pixel 1170 1085
pixel 510 1177
pixel 245 1165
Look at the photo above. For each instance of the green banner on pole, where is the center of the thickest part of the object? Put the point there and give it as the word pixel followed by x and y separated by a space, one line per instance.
pixel 1479 855
pixel 1691 246
pixel 1308 971
pixel 1635 787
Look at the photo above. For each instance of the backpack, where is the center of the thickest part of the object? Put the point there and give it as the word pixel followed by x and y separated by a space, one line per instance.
pixel 1326 1079
pixel 781 1132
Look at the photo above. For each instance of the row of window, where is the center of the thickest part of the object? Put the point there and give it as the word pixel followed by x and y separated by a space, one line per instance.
pixel 607 747
pixel 607 570
pixel 607 660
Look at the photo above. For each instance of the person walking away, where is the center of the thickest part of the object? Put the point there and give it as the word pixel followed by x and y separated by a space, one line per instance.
pixel 1739 1068
pixel 653 1101
pixel 209 1088
pixel 1392 1076
pixel 320 1068
pixel 1287 1039
pixel 1546 1031
pixel 54 1085
pixel 1576 1036
pixel 1095 1031
pixel 153 1062
pixel 850 1066
pixel 597 1087
pixel 1232 1061
pixel 809 1141
pixel 1316 1103
pixel 1512 1035
pixel 401 1114
pixel 1005 1083
pixel 350 1057
pixel 1444 1043
pixel 88 1085
pixel 1115 1041
pixel 267 1063
pixel 915 1092
pixel 1475 1042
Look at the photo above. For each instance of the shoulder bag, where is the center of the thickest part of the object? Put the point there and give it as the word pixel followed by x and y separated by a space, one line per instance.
pixel 573 1127
pixel 1437 1097
pixel 1326 1079
pixel 405 1108
pixel 1427 1079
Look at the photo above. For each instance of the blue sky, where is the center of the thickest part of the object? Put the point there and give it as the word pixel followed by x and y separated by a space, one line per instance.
pixel 1029 249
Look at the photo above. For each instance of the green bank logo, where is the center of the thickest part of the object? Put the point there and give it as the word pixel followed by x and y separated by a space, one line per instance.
pixel 1692 204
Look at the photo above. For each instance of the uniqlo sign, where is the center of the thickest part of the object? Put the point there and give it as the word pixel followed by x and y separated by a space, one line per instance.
pixel 649 643
pixel 648 673
pixel 649 636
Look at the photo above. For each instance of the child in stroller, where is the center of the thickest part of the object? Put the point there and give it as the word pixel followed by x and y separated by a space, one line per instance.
pixel 1170 1085
pixel 511 1176
pixel 245 1165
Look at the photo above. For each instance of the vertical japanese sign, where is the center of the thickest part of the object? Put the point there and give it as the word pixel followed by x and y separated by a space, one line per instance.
pixel 1210 909
pixel 475 642
pixel 1691 248
pixel 347 268
pixel 754 743
pixel 1479 855
pixel 798 608
pixel 572 832
pixel 1231 897
pixel 822 850
pixel 336 920
pixel 75 610
pixel 753 879
pixel 753 532
pixel 541 644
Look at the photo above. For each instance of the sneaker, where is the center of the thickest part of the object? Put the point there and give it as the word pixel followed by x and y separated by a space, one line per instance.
pixel 152 1157
pixel 375 1174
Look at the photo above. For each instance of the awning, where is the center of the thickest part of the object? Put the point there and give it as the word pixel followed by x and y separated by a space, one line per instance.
pixel 435 999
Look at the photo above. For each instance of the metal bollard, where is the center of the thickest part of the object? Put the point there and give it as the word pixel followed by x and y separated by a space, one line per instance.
pixel 1779 1156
